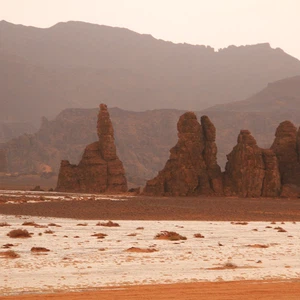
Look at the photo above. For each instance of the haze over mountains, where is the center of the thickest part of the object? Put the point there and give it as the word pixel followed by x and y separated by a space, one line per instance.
pixel 76 64
pixel 65 71
pixel 143 139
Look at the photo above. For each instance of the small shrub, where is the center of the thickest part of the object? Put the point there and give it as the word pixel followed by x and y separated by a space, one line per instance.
pixel 198 235
pixel 82 224
pixel 39 249
pixel 49 231
pixel 169 235
pixel 108 224
pixel 258 246
pixel 19 233
pixel 7 246
pixel 3 224
pixel 141 250
pixel 53 225
pixel 131 234
pixel 239 223
pixel 99 235
pixel 9 254
pixel 29 223
pixel 230 265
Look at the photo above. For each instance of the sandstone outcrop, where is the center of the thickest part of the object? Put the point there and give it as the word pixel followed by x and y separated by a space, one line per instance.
pixel 286 148
pixel 250 170
pixel 192 168
pixel 100 169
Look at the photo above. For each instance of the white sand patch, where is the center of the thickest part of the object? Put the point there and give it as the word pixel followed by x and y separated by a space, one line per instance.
pixel 43 196
pixel 78 260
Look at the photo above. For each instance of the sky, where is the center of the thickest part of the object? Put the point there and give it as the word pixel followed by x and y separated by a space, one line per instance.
pixel 217 23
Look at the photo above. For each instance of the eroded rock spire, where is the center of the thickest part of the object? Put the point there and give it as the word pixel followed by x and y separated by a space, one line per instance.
pixel 100 169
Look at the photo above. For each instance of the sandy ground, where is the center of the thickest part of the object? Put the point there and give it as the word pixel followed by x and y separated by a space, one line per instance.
pixel 250 290
pixel 92 207
pixel 80 206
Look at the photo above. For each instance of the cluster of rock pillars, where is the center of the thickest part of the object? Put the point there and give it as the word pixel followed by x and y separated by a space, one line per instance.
pixel 192 168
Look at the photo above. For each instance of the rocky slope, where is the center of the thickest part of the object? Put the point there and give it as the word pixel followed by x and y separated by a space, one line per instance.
pixel 75 64
pixel 282 95
pixel 99 169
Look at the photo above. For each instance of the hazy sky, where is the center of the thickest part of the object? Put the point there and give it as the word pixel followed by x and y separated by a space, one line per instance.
pixel 217 23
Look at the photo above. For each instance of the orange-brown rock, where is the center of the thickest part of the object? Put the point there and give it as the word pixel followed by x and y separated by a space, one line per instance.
pixel 210 155
pixel 250 170
pixel 192 168
pixel 100 169
pixel 286 148
pixel 272 180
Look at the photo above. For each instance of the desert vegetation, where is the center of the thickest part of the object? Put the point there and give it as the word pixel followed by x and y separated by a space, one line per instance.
pixel 39 249
pixel 141 250
pixel 108 224
pixel 9 254
pixel 99 235
pixel 198 235
pixel 169 235
pixel 4 224
pixel 19 233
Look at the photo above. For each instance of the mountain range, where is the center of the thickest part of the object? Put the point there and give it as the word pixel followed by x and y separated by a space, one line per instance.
pixel 76 64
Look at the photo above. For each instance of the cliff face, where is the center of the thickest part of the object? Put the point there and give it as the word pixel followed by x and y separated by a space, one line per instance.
pixel 120 65
pixel 100 169
pixel 286 148
pixel 192 168
pixel 250 170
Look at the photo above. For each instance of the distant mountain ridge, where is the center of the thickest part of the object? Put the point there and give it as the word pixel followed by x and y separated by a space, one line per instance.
pixel 282 95
pixel 76 64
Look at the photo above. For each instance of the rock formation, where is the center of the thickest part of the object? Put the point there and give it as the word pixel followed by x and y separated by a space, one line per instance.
pixel 287 149
pixel 250 170
pixel 100 169
pixel 192 167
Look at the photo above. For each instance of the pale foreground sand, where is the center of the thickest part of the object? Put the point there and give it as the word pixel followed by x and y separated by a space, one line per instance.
pixel 236 290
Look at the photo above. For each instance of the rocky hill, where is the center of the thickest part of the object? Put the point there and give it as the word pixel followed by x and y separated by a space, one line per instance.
pixel 9 130
pixel 75 64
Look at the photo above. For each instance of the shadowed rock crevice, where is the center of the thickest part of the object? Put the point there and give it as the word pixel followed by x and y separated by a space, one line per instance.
pixel 100 169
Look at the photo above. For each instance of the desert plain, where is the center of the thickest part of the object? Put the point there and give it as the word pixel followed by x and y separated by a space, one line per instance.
pixel 231 248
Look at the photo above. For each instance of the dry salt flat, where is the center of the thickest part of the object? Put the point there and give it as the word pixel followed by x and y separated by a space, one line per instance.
pixel 77 260
pixel 44 196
